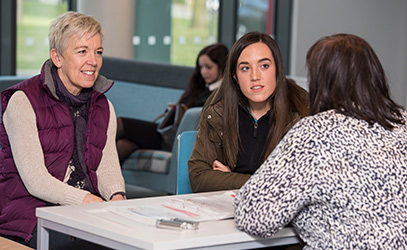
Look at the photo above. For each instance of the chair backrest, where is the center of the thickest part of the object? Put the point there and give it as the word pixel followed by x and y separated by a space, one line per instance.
pixel 186 141
pixel 189 121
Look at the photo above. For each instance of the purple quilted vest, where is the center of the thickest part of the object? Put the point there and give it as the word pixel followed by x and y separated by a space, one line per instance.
pixel 56 133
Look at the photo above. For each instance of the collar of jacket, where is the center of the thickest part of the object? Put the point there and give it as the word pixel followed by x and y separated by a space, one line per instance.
pixel 102 84
pixel 218 109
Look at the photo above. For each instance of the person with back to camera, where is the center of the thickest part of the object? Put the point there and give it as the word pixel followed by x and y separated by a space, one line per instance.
pixel 134 134
pixel 339 176
pixel 58 135
pixel 246 117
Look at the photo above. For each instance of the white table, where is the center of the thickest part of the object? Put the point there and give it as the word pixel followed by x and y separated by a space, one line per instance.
pixel 78 222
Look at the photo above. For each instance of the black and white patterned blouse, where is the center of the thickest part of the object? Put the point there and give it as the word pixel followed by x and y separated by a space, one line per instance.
pixel 341 182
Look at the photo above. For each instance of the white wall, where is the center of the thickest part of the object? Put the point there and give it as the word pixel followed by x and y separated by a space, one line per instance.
pixel 117 20
pixel 383 24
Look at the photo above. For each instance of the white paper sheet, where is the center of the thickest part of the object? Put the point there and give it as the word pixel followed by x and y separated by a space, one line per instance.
pixel 199 208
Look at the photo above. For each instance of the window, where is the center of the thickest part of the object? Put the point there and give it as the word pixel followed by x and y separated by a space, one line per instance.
pixel 174 31
pixel 253 15
pixel 33 19
pixel 194 26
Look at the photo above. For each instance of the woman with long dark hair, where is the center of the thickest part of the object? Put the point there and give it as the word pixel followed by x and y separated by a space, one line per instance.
pixel 246 117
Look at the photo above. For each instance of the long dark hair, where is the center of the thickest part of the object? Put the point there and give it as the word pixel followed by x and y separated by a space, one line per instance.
pixel 287 97
pixel 345 74
pixel 217 53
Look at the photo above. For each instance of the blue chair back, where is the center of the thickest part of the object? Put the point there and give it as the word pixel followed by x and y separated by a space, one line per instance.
pixel 186 141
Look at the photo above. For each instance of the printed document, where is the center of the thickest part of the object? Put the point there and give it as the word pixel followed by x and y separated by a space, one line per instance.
pixel 198 208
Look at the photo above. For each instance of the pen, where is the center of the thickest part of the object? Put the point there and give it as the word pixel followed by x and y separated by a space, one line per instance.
pixel 176 223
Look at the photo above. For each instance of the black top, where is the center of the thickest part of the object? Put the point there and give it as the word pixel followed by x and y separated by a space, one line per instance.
pixel 253 136
pixel 200 99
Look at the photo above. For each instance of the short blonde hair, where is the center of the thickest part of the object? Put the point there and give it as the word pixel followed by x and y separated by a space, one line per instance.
pixel 68 24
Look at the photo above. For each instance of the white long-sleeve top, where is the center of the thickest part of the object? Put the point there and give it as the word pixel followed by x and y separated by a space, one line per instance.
pixel 20 123
pixel 341 182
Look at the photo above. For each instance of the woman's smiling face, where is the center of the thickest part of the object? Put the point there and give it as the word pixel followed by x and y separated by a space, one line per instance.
pixel 256 74
pixel 79 66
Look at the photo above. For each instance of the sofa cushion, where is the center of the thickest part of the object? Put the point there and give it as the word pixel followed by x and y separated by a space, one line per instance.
pixel 148 73
pixel 148 160
pixel 140 101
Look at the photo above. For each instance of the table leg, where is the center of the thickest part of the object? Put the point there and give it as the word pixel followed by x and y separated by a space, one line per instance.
pixel 42 236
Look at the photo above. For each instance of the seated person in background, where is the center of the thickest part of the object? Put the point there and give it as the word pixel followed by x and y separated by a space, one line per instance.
pixel 246 117
pixel 339 175
pixel 58 135
pixel 133 134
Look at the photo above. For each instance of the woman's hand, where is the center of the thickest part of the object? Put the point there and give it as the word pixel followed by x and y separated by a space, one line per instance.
pixel 217 165
pixel 90 198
